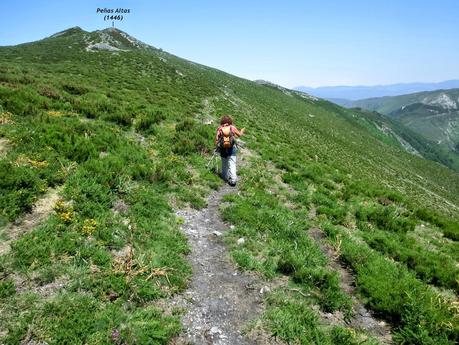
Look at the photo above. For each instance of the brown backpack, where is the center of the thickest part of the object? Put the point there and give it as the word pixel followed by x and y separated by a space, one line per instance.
pixel 226 138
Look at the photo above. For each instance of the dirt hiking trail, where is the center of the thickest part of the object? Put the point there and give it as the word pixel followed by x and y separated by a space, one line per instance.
pixel 220 300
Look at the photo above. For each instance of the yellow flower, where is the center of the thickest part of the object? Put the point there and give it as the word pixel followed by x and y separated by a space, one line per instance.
pixel 55 113
pixel 64 211
pixel 24 160
pixel 5 118
pixel 38 164
pixel 89 226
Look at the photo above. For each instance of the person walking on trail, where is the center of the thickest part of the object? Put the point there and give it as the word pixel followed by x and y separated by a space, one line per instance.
pixel 226 145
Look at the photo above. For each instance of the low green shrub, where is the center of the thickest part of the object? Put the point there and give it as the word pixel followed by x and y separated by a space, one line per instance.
pixel 192 138
pixel 388 218
pixel 20 188
pixel 332 298
pixel 22 101
pixel 293 321
pixel 450 228
pixel 120 117
pixel 7 288
pixel 74 88
pixel 421 315
pixel 149 117
pixel 431 267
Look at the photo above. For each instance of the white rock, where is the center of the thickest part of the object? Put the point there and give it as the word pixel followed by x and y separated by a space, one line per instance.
pixel 215 330
pixel 264 290
pixel 217 233
pixel 102 46
pixel 241 241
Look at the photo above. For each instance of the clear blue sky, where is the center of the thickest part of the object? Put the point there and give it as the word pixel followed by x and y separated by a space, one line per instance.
pixel 290 42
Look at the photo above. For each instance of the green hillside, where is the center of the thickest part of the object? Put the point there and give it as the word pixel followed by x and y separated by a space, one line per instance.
pixel 439 100
pixel 434 115
pixel 412 141
pixel 123 132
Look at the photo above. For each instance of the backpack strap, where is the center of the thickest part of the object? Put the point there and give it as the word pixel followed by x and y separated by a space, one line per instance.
pixel 220 130
pixel 226 130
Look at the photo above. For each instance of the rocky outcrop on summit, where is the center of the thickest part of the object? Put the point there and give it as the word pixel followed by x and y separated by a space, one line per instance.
pixel 112 39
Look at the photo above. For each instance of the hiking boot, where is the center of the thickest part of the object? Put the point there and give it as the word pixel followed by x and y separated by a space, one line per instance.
pixel 232 184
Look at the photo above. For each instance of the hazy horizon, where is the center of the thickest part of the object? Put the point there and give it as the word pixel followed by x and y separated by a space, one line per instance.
pixel 377 85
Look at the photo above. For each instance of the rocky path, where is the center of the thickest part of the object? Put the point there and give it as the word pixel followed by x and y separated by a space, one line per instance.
pixel 220 299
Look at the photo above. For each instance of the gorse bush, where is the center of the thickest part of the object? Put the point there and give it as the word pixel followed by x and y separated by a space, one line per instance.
pixel 20 188
pixel 192 137
pixel 50 92
pixel 98 164
pixel 148 118
pixel 354 188
pixel 94 104
pixel 75 88
pixel 22 101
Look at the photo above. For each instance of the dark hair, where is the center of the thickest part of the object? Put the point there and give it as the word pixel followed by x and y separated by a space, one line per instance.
pixel 226 119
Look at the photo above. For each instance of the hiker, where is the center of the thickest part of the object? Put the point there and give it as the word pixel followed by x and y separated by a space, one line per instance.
pixel 226 145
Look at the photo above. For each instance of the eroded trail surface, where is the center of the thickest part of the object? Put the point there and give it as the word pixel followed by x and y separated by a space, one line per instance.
pixel 220 299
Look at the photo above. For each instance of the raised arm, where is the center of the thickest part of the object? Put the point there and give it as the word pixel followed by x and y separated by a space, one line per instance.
pixel 237 132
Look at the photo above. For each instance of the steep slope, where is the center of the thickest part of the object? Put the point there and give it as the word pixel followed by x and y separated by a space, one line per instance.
pixel 387 130
pixel 127 133
pixel 438 101
pixel 433 115
pixel 393 132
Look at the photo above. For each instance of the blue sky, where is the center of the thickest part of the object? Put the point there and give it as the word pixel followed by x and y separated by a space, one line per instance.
pixel 290 42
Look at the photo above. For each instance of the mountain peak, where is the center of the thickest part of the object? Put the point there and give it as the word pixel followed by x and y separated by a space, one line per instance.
pixel 69 31
pixel 119 39
pixel 109 39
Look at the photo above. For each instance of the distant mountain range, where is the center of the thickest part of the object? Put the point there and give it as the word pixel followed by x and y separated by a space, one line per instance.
pixel 341 94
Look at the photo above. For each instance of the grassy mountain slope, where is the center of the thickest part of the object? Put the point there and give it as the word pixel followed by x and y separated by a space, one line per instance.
pixel 124 129
pixel 406 137
pixel 434 115
pixel 439 99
